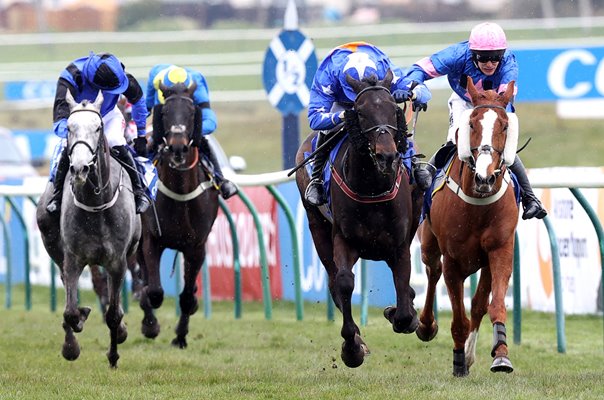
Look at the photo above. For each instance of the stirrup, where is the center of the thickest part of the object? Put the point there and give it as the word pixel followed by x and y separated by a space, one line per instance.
pixel 228 189
pixel 314 193
pixel 533 209
pixel 142 203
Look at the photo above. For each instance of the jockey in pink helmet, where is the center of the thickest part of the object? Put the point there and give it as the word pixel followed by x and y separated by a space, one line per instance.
pixel 486 59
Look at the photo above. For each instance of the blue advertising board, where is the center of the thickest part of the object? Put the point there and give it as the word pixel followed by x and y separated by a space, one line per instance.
pixel 562 73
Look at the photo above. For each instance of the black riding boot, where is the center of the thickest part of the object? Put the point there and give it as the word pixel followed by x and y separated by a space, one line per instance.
pixel 423 173
pixel 140 198
pixel 314 193
pixel 54 204
pixel 227 188
pixel 530 203
pixel 438 161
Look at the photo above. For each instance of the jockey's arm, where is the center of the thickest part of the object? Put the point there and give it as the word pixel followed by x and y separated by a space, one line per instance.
pixel 61 108
pixel 134 94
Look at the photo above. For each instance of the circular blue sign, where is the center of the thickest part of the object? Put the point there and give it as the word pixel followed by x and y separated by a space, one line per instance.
pixel 290 64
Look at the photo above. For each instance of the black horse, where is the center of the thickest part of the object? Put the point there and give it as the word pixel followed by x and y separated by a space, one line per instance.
pixel 186 204
pixel 374 209
pixel 97 225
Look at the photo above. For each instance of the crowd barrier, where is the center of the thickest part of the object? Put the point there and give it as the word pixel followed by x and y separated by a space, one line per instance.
pixel 10 194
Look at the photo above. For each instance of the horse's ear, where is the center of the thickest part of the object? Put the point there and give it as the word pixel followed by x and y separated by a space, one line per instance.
pixel 509 92
pixel 354 84
pixel 472 91
pixel 98 101
pixel 70 100
pixel 387 81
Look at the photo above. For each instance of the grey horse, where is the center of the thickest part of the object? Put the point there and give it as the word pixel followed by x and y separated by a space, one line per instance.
pixel 98 224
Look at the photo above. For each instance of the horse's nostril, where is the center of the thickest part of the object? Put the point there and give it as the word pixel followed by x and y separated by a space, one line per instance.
pixel 85 169
pixel 491 180
pixel 185 149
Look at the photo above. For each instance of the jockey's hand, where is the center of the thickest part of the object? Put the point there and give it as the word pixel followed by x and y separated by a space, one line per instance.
pixel 401 96
pixel 421 96
pixel 140 146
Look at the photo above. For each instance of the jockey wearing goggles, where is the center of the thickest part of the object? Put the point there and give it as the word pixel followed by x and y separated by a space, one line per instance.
pixel 169 75
pixel 84 78
pixel 330 95
pixel 486 59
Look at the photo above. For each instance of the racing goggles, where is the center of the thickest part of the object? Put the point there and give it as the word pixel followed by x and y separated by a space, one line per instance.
pixel 493 56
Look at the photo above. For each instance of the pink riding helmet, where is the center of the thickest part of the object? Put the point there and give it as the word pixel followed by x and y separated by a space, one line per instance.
pixel 487 36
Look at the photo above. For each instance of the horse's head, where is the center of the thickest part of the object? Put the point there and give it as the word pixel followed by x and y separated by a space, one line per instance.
pixel 488 136
pixel 177 123
pixel 376 125
pixel 85 138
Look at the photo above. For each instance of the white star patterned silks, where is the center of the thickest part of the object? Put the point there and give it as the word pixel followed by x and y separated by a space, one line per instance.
pixel 359 61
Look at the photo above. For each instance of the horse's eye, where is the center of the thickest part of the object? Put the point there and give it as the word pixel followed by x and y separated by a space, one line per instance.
pixel 471 125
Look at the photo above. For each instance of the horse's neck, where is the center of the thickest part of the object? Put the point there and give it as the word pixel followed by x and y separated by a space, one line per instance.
pixel 362 175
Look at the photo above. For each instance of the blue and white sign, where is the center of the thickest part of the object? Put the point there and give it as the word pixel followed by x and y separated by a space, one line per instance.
pixel 565 73
pixel 289 67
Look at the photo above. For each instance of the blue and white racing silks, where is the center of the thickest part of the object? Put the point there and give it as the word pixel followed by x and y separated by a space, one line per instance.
pixel 83 90
pixel 327 88
pixel 201 97
pixel 456 62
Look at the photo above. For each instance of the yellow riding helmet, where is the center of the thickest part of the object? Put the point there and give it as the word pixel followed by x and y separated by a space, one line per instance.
pixel 170 77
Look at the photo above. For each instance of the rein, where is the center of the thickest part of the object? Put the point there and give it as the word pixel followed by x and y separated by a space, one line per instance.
pixel 379 198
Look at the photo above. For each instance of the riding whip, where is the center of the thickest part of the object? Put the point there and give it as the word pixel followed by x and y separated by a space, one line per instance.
pixel 318 149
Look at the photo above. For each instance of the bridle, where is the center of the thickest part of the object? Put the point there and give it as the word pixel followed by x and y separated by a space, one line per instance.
pixel 379 128
pixel 94 151
pixel 179 130
pixel 486 149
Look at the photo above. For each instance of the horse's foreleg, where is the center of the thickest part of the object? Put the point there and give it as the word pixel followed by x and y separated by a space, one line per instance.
pixel 113 318
pixel 153 290
pixel 73 316
pixel 404 316
pixel 188 301
pixel 99 284
pixel 501 270
pixel 431 254
pixel 353 348
pixel 480 303
pixel 460 326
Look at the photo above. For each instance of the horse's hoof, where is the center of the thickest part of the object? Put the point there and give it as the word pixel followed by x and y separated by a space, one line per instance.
pixel 502 364
pixel 122 333
pixel 426 334
pixel 179 342
pixel 150 328
pixel 353 356
pixel 71 351
pixel 397 327
pixel 113 357
pixel 460 372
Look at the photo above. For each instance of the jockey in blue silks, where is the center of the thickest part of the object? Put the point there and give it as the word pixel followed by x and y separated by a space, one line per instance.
pixel 169 75
pixel 330 95
pixel 84 78
pixel 486 59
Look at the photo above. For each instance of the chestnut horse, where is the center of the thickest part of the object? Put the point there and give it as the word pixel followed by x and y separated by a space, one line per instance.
pixel 186 204
pixel 471 224
pixel 373 214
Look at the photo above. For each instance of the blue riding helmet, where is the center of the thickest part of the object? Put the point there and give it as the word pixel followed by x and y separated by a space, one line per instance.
pixel 358 65
pixel 106 73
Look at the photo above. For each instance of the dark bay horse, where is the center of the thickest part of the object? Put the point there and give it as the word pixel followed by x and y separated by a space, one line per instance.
pixel 471 225
pixel 186 204
pixel 374 211
pixel 97 225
